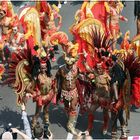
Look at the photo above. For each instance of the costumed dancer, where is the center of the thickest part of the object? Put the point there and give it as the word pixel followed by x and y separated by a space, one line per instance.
pixel 48 16
pixel 44 93
pixel 17 40
pixel 100 97
pixel 35 78
pixel 66 83
pixel 119 82
pixel 101 94
pixel 5 26
pixel 115 10
pixel 30 69
pixel 131 62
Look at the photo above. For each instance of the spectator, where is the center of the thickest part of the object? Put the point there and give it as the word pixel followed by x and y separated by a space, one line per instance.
pixel 40 132
pixel 10 131
pixel 7 136
pixel 24 136
pixel 26 123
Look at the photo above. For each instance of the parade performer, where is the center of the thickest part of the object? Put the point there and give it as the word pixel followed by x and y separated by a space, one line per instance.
pixel 5 27
pixel 44 91
pixel 131 62
pixel 100 97
pixel 115 10
pixel 17 39
pixel 120 89
pixel 5 22
pixel 66 81
pixel 29 69
pixel 48 16
pixel 101 94
pixel 130 88
pixel 32 77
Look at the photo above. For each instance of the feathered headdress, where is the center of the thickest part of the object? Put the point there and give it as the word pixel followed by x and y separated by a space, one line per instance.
pixel 10 74
pixel 19 73
pixel 101 42
pixel 102 45
pixel 132 63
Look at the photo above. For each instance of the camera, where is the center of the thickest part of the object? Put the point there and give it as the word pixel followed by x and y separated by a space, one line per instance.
pixel 8 129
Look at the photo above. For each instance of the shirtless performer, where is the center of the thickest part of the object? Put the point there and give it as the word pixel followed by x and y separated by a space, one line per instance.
pixel 66 80
pixel 100 97
pixel 44 92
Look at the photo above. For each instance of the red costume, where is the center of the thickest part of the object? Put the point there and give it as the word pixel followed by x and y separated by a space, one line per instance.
pixel 29 25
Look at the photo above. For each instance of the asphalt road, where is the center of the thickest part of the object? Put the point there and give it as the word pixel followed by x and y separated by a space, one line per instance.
pixel 9 112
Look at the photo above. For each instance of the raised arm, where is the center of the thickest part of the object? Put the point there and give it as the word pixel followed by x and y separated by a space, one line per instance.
pixel 26 123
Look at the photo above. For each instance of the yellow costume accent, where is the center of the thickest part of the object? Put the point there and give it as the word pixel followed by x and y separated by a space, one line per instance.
pixel 1 46
pixel 107 7
pixel 136 42
pixel 2 70
pixel 55 7
pixel 31 17
pixel 10 7
pixel 43 54
pixel 122 54
pixel 22 80
pixel 86 27
pixel 38 5
pixel 73 49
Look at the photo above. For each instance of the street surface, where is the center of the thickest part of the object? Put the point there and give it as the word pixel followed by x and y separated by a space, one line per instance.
pixel 10 113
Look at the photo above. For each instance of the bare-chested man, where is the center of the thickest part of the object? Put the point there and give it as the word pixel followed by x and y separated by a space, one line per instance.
pixel 100 97
pixel 66 79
